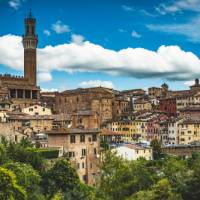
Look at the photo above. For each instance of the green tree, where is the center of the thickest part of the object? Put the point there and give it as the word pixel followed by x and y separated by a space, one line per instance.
pixel 9 189
pixel 19 153
pixel 61 177
pixel 176 171
pixel 25 142
pixel 157 151
pixel 3 154
pixel 163 190
pixel 192 186
pixel 142 195
pixel 121 178
pixel 27 177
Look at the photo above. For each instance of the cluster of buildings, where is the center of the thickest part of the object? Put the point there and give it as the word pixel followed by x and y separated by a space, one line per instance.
pixel 77 121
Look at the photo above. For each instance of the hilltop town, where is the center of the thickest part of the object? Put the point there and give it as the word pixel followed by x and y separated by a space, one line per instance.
pixel 78 122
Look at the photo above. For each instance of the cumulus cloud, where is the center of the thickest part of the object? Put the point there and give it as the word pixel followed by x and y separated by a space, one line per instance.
pixel 178 6
pixel 77 39
pixel 44 77
pixel 11 51
pixel 96 83
pixel 189 29
pixel 15 4
pixel 135 34
pixel 59 27
pixel 47 32
pixel 170 62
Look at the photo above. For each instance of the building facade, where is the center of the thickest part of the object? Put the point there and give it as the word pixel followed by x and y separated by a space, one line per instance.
pixel 82 147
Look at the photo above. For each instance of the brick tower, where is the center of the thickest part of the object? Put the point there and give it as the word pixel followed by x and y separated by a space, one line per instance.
pixel 30 41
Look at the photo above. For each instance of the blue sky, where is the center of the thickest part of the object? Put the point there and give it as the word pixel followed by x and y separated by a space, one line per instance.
pixel 115 25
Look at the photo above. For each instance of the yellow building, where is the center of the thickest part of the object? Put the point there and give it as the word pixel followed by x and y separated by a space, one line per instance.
pixel 132 130
pixel 140 131
pixel 126 128
pixel 188 131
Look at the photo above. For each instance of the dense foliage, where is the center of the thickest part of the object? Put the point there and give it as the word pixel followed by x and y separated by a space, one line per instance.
pixel 27 174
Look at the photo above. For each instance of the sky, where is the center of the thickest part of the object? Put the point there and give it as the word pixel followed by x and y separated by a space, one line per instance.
pixel 123 44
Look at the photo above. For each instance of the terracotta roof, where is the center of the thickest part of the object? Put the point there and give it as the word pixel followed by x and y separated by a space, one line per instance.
pixel 190 121
pixel 14 116
pixel 72 131
pixel 109 132
pixel 83 113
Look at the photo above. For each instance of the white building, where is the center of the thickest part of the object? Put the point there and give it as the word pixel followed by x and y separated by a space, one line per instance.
pixel 133 152
pixel 173 131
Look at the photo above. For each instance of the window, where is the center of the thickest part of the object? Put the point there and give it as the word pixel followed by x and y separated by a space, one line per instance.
pixel 83 165
pixel 31 109
pixel 82 138
pixel 79 120
pixel 94 137
pixel 71 154
pixel 89 139
pixel 15 138
pixel 90 165
pixel 78 165
pixel 95 151
pixel 83 152
pixel 85 178
pixel 72 139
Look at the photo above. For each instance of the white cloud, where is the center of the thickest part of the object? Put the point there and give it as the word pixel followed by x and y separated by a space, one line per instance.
pixel 59 27
pixel 44 77
pixel 178 6
pixel 127 8
pixel 189 29
pixel 47 32
pixel 77 39
pixel 15 4
pixel 170 62
pixel 96 83
pixel 49 90
pixel 11 51
pixel 189 83
pixel 122 30
pixel 135 34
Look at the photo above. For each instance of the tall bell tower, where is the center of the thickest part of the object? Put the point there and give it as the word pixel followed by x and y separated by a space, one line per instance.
pixel 30 41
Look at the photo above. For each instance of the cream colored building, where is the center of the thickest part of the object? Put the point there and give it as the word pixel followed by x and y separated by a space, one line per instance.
pixel 155 92
pixel 141 105
pixel 37 110
pixel 8 131
pixel 187 100
pixel 188 131
pixel 82 147
pixel 37 123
